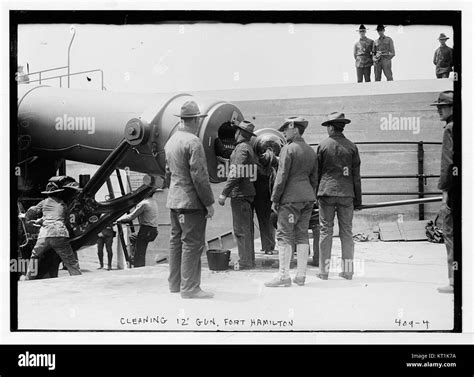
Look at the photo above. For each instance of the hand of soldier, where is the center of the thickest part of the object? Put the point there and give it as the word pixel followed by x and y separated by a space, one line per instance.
pixel 445 197
pixel 210 211
pixel 221 200
pixel 275 207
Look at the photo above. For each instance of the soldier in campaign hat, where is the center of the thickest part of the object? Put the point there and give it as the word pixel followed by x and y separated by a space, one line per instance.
pixel 443 58
pixel 446 182
pixel 363 55
pixel 339 191
pixel 53 233
pixel 293 199
pixel 241 190
pixel 383 53
pixel 190 200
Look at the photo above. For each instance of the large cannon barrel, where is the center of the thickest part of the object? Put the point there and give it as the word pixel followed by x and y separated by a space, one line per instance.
pixel 85 126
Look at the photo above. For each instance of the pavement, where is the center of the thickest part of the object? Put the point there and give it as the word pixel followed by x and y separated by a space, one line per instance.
pixel 394 289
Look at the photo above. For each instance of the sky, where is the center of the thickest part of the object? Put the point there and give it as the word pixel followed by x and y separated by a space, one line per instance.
pixel 193 57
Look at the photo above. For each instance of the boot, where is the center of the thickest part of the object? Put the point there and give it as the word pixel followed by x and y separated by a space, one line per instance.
pixel 283 279
pixel 302 252
pixel 109 262
pixel 101 262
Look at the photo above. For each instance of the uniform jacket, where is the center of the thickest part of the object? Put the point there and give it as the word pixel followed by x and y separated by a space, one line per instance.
pixel 187 174
pixel 297 175
pixel 443 59
pixel 53 211
pixel 339 168
pixel 107 232
pixel 363 52
pixel 446 177
pixel 385 46
pixel 242 166
pixel 146 211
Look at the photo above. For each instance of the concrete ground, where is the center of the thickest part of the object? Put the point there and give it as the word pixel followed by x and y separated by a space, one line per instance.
pixel 394 288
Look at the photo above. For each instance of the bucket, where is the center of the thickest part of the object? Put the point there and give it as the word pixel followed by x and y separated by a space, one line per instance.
pixel 218 260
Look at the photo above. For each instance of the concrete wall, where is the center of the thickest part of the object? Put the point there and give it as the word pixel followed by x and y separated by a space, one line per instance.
pixel 368 105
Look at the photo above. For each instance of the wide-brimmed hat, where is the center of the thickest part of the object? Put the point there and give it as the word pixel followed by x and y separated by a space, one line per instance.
pixel 362 27
pixel 52 188
pixel 292 122
pixel 336 117
pixel 72 186
pixel 246 126
pixel 380 27
pixel 444 99
pixel 442 36
pixel 190 109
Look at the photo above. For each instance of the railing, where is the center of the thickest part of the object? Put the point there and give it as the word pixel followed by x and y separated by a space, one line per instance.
pixel 421 176
pixel 41 78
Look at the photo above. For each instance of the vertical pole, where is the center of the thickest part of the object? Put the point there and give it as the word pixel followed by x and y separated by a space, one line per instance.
pixel 421 180
pixel 62 167
pixel 121 244
pixel 73 31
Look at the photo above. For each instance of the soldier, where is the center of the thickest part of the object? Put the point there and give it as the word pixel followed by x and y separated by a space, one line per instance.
pixel 147 213
pixel 266 171
pixel 190 200
pixel 240 188
pixel 293 199
pixel 363 55
pixel 105 238
pixel 446 184
pixel 53 232
pixel 339 190
pixel 383 53
pixel 443 58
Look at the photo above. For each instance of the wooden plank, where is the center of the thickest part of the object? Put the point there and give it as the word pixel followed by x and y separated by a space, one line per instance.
pixel 390 232
pixel 214 244
pixel 228 241
pixel 414 230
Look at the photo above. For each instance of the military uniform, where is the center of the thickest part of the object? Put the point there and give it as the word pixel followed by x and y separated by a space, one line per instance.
pixel 383 53
pixel 363 49
pixel 147 213
pixel 446 184
pixel 53 232
pixel 294 192
pixel 262 203
pixel 242 192
pixel 339 191
pixel 189 194
pixel 105 238
pixel 443 59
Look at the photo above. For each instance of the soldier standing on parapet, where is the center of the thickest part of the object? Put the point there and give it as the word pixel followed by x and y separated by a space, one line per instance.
pixel 446 184
pixel 363 55
pixel 443 58
pixel 190 200
pixel 293 199
pixel 383 53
